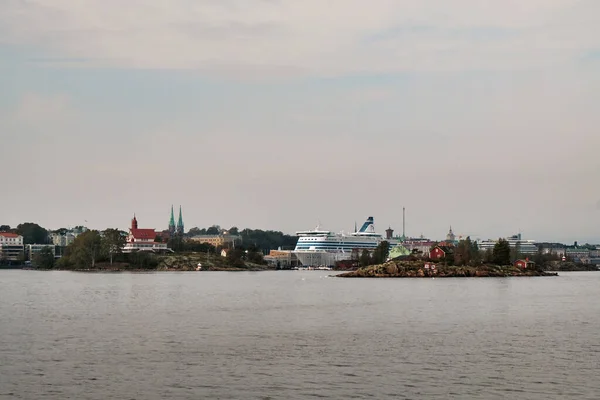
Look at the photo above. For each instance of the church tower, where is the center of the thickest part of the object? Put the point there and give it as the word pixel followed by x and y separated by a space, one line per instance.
pixel 450 237
pixel 134 224
pixel 180 223
pixel 172 223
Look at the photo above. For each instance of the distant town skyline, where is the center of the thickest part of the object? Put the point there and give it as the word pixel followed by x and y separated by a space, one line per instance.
pixel 280 114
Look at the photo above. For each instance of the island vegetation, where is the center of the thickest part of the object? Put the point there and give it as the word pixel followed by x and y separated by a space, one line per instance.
pixel 465 260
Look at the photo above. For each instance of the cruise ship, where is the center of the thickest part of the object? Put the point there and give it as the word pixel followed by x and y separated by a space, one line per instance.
pixel 323 248
pixel 526 246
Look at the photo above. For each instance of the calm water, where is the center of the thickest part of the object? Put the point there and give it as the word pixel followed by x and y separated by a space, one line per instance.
pixel 293 335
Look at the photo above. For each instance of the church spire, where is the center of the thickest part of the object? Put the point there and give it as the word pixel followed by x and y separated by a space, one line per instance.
pixel 180 223
pixel 172 222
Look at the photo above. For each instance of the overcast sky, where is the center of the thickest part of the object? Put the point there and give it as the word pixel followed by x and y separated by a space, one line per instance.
pixel 278 114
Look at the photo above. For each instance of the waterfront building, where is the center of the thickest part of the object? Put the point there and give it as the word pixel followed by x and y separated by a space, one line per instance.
pixel 222 240
pixel 33 249
pixel 11 246
pixel 142 240
pixel 556 250
pixel 58 239
pixel 440 252
pixel 577 254
pixel 282 259
pixel 523 264
pixel 420 245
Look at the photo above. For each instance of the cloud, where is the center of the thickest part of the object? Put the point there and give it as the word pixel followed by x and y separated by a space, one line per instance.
pixel 311 37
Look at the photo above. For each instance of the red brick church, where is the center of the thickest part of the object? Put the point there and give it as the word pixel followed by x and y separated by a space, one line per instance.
pixel 142 239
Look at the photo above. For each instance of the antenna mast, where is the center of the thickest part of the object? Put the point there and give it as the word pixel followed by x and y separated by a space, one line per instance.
pixel 403 222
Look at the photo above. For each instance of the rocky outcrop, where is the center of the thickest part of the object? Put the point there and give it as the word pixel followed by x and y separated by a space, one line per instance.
pixel 422 269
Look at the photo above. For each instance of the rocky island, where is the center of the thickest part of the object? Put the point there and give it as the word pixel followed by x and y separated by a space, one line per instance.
pixel 425 269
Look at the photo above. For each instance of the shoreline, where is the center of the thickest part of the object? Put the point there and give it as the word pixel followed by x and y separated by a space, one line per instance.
pixel 423 269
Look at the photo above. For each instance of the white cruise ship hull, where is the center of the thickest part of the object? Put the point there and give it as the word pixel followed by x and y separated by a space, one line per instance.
pixel 316 258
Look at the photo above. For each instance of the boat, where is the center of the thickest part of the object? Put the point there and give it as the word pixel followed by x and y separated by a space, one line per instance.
pixel 323 248
pixel 525 246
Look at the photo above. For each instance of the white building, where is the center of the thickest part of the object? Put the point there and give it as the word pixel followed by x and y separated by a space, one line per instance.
pixel 62 240
pixel 143 240
pixel 11 246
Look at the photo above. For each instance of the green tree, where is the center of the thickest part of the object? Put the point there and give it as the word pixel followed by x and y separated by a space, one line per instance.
pixel 85 250
pixel 32 233
pixel 476 256
pixel 235 257
pixel 234 230
pixel 501 252
pixel 4 228
pixel 113 242
pixel 213 230
pixel 381 252
pixel 365 258
pixel 44 259
pixel 196 232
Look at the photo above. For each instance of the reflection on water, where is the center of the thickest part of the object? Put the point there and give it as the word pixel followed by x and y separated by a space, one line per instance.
pixel 293 334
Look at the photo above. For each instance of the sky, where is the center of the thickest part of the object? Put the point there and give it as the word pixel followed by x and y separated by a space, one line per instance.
pixel 283 114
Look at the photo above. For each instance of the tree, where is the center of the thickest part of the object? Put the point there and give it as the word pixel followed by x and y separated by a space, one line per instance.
pixel 381 252
pixel 113 242
pixel 4 228
pixel 233 230
pixel 466 252
pixel 235 257
pixel 44 259
pixel 365 258
pixel 476 256
pixel 213 230
pixel 32 233
pixel 85 250
pixel 196 232
pixel 501 252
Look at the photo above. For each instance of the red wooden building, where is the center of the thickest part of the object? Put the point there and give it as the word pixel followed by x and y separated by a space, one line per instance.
pixel 523 264
pixel 440 252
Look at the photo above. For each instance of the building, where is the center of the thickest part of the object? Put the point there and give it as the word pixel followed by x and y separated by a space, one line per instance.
pixel 577 254
pixel 11 246
pixel 33 249
pixel 282 259
pixel 440 252
pixel 555 250
pixel 450 237
pixel 176 229
pixel 526 247
pixel 143 240
pixel 60 240
pixel 523 264
pixel 398 251
pixel 420 245
pixel 223 240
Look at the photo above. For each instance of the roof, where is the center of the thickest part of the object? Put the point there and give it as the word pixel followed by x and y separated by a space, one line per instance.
pixel 143 233
pixel 446 249
pixel 9 235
